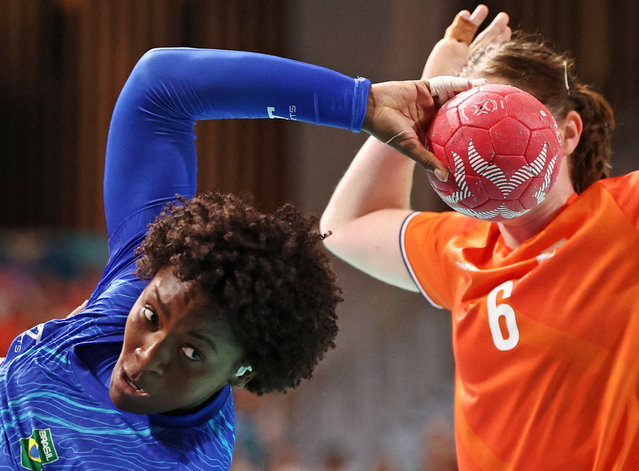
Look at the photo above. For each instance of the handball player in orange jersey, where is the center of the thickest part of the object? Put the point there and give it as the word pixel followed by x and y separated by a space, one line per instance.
pixel 545 306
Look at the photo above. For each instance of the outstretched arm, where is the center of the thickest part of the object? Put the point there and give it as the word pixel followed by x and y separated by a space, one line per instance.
pixel 371 202
pixel 151 151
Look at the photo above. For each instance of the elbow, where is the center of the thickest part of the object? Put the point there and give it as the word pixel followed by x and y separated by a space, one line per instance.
pixel 328 222
pixel 162 63
pixel 325 230
pixel 331 243
pixel 324 224
pixel 148 80
pixel 331 231
pixel 155 62
pixel 160 54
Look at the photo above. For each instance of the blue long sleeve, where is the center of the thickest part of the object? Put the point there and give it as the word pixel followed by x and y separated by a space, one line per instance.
pixel 151 150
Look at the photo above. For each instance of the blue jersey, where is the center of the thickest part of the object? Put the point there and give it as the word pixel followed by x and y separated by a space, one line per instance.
pixel 55 409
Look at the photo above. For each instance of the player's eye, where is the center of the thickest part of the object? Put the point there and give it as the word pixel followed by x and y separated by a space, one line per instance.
pixel 191 353
pixel 149 314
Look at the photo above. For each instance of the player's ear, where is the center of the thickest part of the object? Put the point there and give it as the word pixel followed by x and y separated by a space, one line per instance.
pixel 571 128
pixel 242 376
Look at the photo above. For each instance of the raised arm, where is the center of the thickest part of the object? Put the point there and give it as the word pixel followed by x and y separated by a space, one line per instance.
pixel 450 54
pixel 151 151
pixel 366 211
pixel 371 202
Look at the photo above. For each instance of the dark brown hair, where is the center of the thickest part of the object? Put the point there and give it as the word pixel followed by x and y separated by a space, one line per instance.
pixel 528 63
pixel 267 275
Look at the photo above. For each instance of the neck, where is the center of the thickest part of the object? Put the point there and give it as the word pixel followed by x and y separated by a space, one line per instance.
pixel 516 231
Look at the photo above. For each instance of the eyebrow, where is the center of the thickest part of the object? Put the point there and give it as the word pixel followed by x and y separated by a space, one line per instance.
pixel 164 307
pixel 192 333
pixel 202 337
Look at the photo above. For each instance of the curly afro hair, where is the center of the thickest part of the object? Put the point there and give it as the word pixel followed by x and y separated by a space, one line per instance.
pixel 266 274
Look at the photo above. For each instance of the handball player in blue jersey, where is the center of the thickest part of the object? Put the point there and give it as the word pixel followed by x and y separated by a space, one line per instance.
pixel 200 293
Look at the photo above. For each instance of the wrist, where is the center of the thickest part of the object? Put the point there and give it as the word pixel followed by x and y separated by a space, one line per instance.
pixel 371 108
pixel 360 103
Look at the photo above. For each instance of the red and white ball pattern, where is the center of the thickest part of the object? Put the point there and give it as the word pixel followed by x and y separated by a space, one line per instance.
pixel 502 147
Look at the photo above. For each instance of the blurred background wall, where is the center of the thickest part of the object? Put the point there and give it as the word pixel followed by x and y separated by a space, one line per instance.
pixel 383 398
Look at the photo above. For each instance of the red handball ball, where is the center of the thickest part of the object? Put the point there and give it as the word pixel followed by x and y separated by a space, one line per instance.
pixel 502 148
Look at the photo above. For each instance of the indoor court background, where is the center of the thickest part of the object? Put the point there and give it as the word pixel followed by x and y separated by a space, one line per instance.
pixel 383 399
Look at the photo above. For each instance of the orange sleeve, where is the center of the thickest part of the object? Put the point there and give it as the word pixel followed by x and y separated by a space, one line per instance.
pixel 625 191
pixel 425 247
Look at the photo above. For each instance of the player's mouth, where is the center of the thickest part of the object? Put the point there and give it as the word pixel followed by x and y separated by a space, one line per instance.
pixel 129 387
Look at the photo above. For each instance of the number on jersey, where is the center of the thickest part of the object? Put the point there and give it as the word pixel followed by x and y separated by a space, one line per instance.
pixel 502 310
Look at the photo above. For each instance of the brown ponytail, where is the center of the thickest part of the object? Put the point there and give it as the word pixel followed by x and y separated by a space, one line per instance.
pixel 591 160
pixel 527 62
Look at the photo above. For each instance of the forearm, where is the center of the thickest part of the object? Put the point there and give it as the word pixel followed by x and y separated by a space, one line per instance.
pixel 366 212
pixel 151 149
pixel 378 178
pixel 197 84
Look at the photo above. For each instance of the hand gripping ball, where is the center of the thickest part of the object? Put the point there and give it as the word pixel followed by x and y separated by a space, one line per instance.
pixel 502 148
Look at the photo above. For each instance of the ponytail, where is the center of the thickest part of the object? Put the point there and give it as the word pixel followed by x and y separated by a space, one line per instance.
pixel 591 160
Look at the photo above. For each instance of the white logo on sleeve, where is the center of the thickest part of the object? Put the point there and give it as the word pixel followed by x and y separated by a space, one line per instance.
pixel 292 113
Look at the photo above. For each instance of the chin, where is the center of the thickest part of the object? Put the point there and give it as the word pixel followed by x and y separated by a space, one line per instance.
pixel 126 398
pixel 131 405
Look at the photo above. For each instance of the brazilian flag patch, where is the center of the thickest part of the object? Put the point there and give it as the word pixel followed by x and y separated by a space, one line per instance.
pixel 37 450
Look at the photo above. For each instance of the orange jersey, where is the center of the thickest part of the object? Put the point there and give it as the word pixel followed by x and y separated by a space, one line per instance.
pixel 546 336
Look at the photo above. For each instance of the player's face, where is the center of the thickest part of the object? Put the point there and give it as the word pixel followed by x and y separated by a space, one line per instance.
pixel 176 354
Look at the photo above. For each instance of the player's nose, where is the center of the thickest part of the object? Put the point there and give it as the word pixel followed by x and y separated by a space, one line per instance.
pixel 153 356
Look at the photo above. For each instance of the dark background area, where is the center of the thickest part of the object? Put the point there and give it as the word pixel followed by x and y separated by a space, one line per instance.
pixel 64 62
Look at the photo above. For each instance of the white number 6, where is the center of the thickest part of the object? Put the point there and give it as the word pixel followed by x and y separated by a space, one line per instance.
pixel 495 311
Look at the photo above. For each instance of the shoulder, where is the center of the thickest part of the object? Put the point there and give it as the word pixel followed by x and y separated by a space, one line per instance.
pixel 116 296
pixel 440 226
pixel 52 334
pixel 622 184
pixel 52 340
pixel 105 314
pixel 624 190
